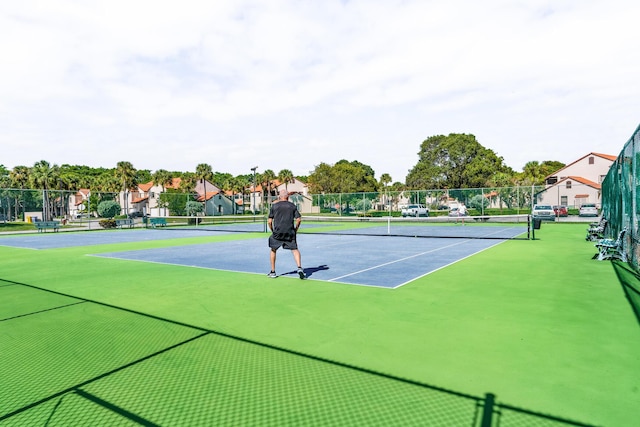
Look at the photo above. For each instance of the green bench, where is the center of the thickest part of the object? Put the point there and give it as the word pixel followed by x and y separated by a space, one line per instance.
pixel 42 226
pixel 157 222
pixel 610 249
pixel 125 222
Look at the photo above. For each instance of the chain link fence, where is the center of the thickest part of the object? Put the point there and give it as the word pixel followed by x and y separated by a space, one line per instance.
pixel 621 197
pixel 46 205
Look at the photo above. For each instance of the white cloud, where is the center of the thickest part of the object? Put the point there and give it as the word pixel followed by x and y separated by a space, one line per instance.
pixel 233 83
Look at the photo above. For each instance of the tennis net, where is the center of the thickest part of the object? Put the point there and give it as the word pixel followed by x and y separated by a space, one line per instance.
pixel 241 224
pixel 470 227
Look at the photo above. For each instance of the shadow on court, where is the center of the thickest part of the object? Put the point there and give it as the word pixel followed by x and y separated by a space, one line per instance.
pixel 309 271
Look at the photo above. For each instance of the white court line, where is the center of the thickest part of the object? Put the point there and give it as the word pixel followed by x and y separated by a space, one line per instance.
pixel 397 260
pixel 446 265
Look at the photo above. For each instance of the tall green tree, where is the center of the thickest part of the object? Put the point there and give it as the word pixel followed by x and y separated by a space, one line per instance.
pixel 4 177
pixel 286 177
pixel 454 161
pixel 204 173
pixel 188 182
pixel 385 179
pixel 163 178
pixel 126 174
pixel 267 178
pixel 43 176
pixel 343 177
pixel 19 177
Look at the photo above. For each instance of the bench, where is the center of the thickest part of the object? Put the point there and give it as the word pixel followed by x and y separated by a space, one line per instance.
pixel 596 230
pixel 612 249
pixel 157 222
pixel 42 226
pixel 128 222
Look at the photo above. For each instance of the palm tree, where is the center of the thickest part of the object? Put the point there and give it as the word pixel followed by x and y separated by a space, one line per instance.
pixel 385 179
pixel 162 178
pixel 19 178
pixel 286 177
pixel 203 174
pixel 188 182
pixel 235 185
pixel 267 178
pixel 42 176
pixel 126 174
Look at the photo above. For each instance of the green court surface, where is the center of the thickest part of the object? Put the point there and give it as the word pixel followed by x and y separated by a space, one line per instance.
pixel 549 331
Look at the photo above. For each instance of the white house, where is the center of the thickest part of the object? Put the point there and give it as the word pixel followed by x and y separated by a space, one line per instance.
pixel 145 198
pixel 578 182
pixel 299 195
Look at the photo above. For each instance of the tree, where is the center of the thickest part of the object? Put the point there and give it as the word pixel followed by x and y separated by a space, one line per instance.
pixel 162 178
pixel 454 161
pixel 343 177
pixel 188 182
pixel 19 177
pixel 108 208
pixel 267 178
pixel 203 174
pixel 126 174
pixel 385 179
pixel 286 177
pixel 4 177
pixel 43 175
pixel 234 186
pixel 193 208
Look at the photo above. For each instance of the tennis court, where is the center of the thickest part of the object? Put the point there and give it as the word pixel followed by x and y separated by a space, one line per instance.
pixel 372 261
pixel 529 332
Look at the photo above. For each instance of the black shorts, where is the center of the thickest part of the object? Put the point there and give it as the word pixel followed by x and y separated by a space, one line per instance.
pixel 275 244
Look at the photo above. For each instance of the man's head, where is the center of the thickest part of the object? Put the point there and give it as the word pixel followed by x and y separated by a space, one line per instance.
pixel 283 195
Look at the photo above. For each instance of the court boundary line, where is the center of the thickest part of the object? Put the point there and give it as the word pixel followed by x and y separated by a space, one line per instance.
pixel 450 264
pixel 398 260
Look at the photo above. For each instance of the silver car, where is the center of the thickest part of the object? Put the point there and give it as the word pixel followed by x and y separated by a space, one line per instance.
pixel 544 212
pixel 588 209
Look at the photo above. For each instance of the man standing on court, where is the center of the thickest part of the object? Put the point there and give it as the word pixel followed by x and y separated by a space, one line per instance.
pixel 284 221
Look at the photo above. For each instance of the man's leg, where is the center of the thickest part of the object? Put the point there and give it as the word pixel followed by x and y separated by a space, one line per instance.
pixel 273 259
pixel 297 257
pixel 298 260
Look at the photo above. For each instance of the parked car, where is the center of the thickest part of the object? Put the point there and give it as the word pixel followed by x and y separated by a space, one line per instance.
pixel 588 209
pixel 415 210
pixel 560 211
pixel 136 214
pixel 544 212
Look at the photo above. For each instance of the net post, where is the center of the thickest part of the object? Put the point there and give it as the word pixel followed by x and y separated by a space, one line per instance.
pixel 530 228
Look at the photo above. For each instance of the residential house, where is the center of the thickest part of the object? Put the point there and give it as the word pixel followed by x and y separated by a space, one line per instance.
pixel 79 202
pixel 145 199
pixel 578 182
pixel 298 194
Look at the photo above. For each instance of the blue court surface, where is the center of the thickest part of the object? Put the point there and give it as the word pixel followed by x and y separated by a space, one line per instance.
pixel 88 238
pixel 387 262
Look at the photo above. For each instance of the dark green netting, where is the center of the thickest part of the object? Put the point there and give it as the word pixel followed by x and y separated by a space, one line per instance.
pixel 621 197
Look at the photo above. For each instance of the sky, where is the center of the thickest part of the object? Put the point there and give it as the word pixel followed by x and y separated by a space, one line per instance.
pixel 290 84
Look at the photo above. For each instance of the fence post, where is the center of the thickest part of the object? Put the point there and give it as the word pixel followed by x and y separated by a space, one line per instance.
pixel 487 412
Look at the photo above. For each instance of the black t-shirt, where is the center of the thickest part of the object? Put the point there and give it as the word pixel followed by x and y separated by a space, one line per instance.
pixel 283 214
